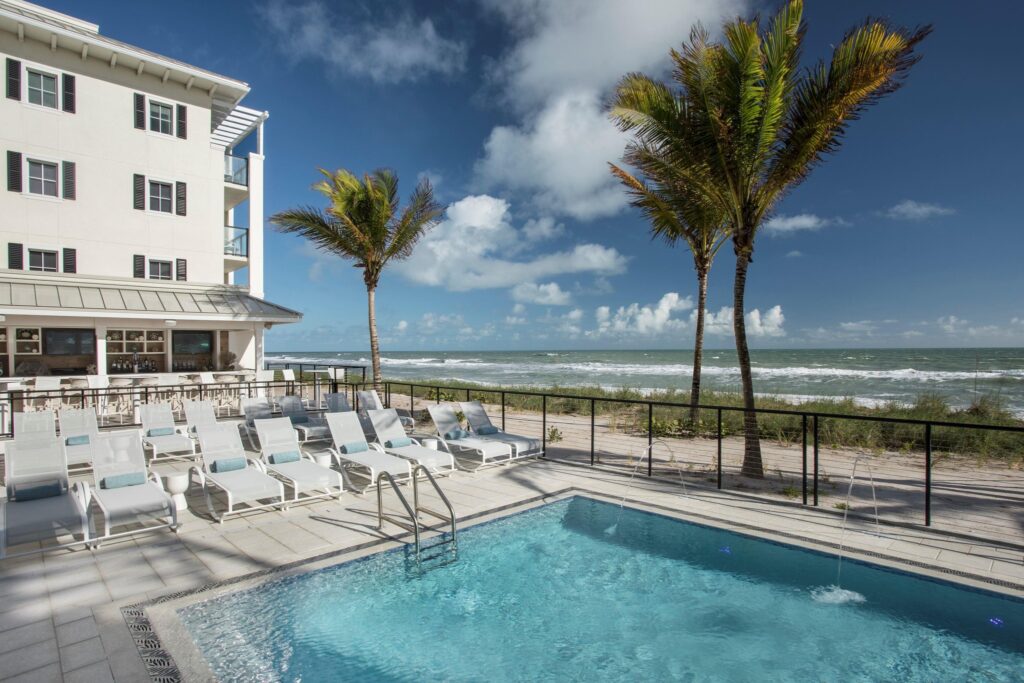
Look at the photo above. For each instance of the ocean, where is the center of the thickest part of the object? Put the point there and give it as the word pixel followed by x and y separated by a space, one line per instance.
pixel 871 376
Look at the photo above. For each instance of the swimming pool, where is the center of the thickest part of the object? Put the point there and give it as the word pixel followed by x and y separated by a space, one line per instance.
pixel 579 590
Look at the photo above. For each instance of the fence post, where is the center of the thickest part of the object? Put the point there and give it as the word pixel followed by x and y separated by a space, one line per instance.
pixel 928 474
pixel 544 425
pixel 592 413
pixel 650 439
pixel 815 460
pixel 719 448
pixel 804 470
pixel 503 411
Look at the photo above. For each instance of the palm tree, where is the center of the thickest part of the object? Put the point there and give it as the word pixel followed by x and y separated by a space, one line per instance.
pixel 747 125
pixel 675 214
pixel 363 223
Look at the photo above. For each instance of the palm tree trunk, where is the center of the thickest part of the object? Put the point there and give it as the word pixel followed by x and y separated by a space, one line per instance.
pixel 698 347
pixel 374 342
pixel 752 465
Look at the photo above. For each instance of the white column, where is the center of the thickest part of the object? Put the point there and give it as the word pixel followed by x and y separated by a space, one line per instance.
pixel 257 331
pixel 256 224
pixel 101 349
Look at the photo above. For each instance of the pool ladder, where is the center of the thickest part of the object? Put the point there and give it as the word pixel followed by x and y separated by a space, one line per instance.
pixel 450 545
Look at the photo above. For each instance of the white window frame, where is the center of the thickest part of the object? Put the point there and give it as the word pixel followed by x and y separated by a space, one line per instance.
pixel 150 103
pixel 150 260
pixel 32 69
pixel 149 195
pixel 40 250
pixel 27 187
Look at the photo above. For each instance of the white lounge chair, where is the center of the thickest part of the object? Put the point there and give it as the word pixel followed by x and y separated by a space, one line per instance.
pixel 227 468
pixel 254 409
pixel 352 451
pixel 283 457
pixel 79 431
pixel 337 402
pixel 370 400
pixel 38 425
pixel 125 490
pixel 165 440
pixel 461 442
pixel 477 418
pixel 391 435
pixel 311 427
pixel 199 413
pixel 41 504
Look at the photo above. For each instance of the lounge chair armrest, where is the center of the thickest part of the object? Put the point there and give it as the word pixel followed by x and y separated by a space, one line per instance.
pixel 198 471
pixel 182 430
pixel 258 464
pixel 377 447
pixel 155 478
pixel 81 490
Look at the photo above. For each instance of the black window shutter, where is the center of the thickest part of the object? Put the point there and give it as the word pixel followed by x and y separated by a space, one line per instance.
pixel 140 111
pixel 182 121
pixel 139 191
pixel 70 260
pixel 179 198
pixel 181 269
pixel 15 256
pixel 68 100
pixel 14 171
pixel 13 79
pixel 139 266
pixel 68 171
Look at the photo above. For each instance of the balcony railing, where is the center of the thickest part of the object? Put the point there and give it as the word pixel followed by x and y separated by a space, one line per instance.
pixel 236 170
pixel 236 241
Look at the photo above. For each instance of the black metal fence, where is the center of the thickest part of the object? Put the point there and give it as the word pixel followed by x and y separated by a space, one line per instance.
pixel 905 471
pixel 350 372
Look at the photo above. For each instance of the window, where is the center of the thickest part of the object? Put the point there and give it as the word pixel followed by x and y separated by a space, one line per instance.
pixel 160 197
pixel 42 89
pixel 42 178
pixel 160 118
pixel 45 261
pixel 159 270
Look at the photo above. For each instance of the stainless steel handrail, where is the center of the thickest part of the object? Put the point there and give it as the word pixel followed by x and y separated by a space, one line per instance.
pixel 444 499
pixel 415 528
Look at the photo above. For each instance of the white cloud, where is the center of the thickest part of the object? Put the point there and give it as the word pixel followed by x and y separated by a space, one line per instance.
pixel 435 178
pixel 515 320
pixel 647 320
pixel 782 224
pixel 794 254
pixel 541 229
pixel 863 326
pixel 950 324
pixel 402 326
pixel 592 43
pixel 559 157
pixel 398 49
pixel 909 210
pixel 465 251
pixel 767 324
pixel 549 294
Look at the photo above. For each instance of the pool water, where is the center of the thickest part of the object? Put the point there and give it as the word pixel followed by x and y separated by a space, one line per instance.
pixel 579 590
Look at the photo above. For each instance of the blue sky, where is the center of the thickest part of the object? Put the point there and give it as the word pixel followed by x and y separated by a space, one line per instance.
pixel 907 237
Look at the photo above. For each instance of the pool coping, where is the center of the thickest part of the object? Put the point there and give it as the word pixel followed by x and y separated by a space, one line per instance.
pixel 170 655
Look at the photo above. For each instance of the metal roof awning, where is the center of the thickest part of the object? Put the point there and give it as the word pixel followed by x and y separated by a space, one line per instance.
pixel 230 124
pixel 59 296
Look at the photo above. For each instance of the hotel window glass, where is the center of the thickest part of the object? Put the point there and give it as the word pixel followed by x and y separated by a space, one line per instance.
pixel 160 197
pixel 42 178
pixel 161 118
pixel 42 89
pixel 45 261
pixel 159 270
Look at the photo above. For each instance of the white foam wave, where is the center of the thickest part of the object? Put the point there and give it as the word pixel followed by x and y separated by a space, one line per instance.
pixel 834 595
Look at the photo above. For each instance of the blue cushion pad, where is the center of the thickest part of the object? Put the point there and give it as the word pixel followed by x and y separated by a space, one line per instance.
pixel 161 431
pixel 354 447
pixel 282 458
pixel 81 440
pixel 398 443
pixel 228 465
pixel 37 491
pixel 118 481
pixel 456 434
pixel 487 429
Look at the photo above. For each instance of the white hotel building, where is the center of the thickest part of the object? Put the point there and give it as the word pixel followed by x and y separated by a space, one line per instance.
pixel 122 179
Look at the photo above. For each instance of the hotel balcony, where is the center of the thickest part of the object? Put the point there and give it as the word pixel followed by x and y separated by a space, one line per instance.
pixel 236 248
pixel 236 180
